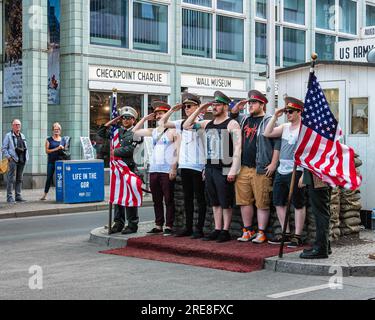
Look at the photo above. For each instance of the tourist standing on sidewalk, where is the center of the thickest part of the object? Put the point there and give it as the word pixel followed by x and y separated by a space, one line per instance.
pixel 191 162
pixel 289 133
pixel 15 150
pixel 259 161
pixel 53 145
pixel 163 167
pixel 128 116
pixel 223 146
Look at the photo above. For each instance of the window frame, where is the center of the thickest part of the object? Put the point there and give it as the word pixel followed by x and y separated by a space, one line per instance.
pixel 130 47
pixel 218 12
pixel 357 135
pixel 337 31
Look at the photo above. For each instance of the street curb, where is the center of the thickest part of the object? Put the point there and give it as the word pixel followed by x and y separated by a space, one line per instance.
pixel 317 269
pixel 100 236
pixel 57 211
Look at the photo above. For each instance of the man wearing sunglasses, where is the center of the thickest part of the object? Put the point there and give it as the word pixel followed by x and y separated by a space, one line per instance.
pixel 191 162
pixel 127 118
pixel 288 132
pixel 258 163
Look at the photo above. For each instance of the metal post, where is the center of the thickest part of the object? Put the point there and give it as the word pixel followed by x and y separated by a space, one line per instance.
pixel 271 56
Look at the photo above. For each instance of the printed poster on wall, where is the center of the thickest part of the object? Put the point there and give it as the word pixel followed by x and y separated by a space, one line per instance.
pixel 53 51
pixel 13 53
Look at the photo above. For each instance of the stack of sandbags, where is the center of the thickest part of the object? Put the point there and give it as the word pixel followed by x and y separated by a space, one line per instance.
pixel 179 221
pixel 350 206
pixel 335 214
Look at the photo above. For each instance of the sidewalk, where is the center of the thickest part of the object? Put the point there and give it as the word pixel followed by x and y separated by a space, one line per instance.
pixel 35 207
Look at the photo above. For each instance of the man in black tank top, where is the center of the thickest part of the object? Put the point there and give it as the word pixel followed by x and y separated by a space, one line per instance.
pixel 223 148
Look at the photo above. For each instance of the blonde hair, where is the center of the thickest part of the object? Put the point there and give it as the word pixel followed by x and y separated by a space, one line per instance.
pixel 56 124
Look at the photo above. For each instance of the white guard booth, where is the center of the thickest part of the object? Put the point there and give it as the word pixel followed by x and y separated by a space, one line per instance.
pixel 350 91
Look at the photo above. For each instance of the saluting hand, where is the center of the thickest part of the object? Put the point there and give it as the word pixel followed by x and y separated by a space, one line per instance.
pixel 150 117
pixel 279 112
pixel 114 120
pixel 239 106
pixel 177 107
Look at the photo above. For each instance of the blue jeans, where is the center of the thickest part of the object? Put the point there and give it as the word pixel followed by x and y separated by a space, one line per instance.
pixel 50 172
pixel 15 176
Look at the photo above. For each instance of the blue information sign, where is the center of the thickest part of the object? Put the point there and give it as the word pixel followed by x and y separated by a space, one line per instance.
pixel 79 181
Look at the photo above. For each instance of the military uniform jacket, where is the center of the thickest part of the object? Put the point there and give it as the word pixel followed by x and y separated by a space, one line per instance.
pixel 311 179
pixel 127 143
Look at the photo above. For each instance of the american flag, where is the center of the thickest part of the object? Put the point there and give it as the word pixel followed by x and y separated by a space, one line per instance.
pixel 319 148
pixel 125 186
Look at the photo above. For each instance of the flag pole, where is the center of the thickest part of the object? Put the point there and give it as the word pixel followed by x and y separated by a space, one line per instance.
pixel 114 91
pixel 314 57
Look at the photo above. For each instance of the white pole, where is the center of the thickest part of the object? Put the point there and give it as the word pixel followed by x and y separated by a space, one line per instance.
pixel 271 56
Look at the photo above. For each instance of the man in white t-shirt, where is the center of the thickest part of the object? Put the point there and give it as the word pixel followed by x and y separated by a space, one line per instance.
pixel 289 133
pixel 191 162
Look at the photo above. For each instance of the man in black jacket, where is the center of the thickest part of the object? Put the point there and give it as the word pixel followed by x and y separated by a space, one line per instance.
pixel 128 116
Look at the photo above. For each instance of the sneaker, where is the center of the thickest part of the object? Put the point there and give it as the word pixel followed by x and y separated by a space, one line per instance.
pixel 212 236
pixel 260 238
pixel 20 200
pixel 184 233
pixel 295 242
pixel 155 231
pixel 277 239
pixel 224 236
pixel 247 235
pixel 167 232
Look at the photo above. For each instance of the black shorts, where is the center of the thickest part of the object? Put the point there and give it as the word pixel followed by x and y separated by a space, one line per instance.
pixel 220 192
pixel 281 187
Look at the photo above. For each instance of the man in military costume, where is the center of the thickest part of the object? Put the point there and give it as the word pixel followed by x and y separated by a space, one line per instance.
pixel 127 116
pixel 320 198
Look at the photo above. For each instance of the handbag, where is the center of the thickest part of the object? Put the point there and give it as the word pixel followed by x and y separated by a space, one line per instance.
pixel 4 166
pixel 64 154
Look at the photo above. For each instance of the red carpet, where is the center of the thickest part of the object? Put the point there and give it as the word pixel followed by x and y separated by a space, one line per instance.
pixel 231 256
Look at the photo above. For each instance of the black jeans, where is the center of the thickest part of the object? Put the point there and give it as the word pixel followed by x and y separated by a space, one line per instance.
pixel 192 184
pixel 50 172
pixel 131 216
pixel 320 203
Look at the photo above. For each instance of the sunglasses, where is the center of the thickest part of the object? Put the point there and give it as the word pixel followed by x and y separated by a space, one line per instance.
pixel 289 111
pixel 188 106
pixel 127 118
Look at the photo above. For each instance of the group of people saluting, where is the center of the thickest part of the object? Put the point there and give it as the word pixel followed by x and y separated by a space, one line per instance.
pixel 235 159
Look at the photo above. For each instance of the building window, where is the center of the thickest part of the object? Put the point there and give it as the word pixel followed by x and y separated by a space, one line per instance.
pixel 294 46
pixel 325 46
pixel 230 5
pixel 333 99
pixel 370 16
pixel 348 16
pixel 359 115
pixel 204 3
pixel 150 27
pixel 294 11
pixel 261 9
pixel 109 23
pixel 325 14
pixel 230 38
pixel 260 43
pixel 196 33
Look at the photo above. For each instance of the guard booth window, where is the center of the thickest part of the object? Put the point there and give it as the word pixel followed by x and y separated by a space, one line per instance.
pixel 359 115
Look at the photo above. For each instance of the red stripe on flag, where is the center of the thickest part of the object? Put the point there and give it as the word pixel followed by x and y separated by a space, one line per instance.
pixel 314 149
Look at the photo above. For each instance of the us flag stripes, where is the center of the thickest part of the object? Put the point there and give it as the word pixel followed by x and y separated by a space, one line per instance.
pixel 319 148
pixel 125 186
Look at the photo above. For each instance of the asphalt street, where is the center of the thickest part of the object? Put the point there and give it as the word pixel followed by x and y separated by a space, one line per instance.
pixel 69 267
